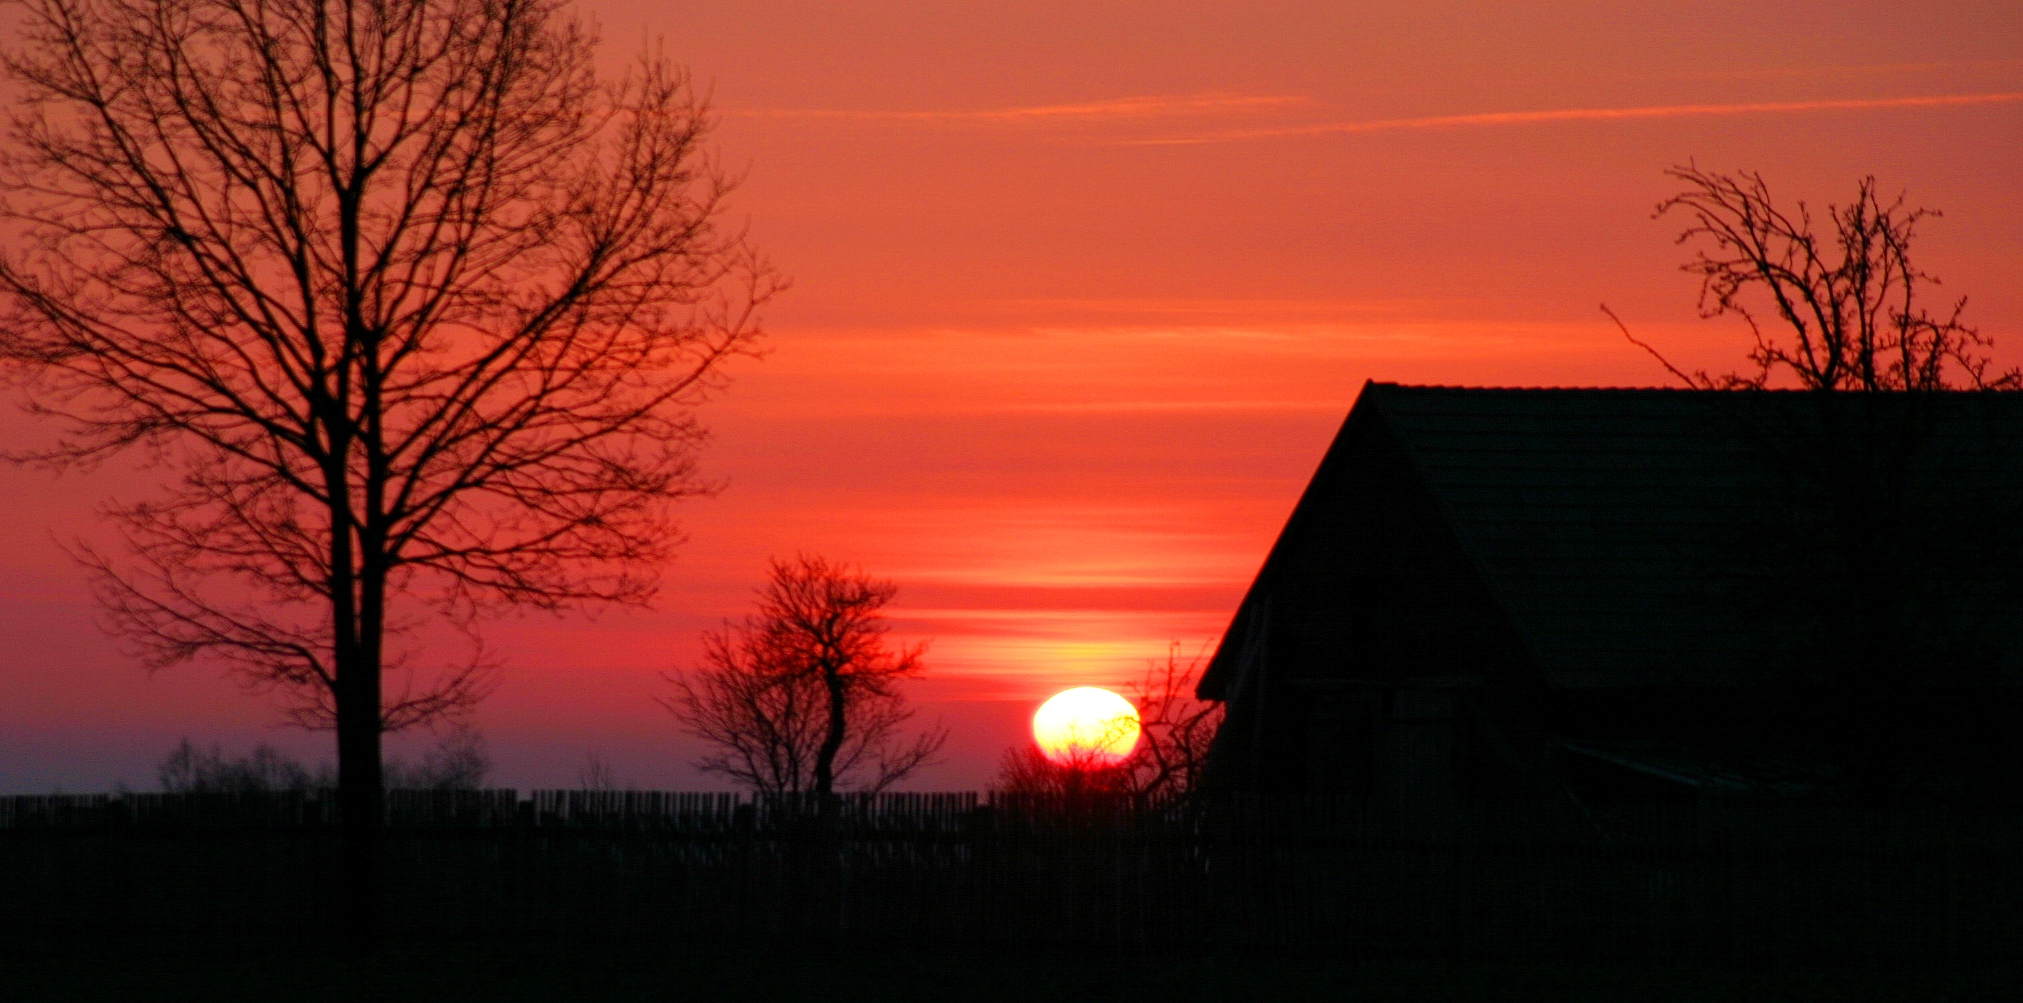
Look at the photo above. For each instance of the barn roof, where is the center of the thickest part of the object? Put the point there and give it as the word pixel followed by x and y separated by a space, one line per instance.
pixel 1598 518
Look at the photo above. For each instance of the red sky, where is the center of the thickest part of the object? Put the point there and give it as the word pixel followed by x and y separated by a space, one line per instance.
pixel 1081 297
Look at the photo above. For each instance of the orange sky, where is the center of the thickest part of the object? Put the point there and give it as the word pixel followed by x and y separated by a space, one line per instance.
pixel 1081 297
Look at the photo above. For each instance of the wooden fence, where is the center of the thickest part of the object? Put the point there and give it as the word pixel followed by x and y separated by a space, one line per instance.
pixel 1731 881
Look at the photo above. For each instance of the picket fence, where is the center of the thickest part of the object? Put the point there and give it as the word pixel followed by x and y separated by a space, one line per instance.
pixel 1713 881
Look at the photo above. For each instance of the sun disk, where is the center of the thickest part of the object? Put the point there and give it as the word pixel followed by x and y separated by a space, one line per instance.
pixel 1086 726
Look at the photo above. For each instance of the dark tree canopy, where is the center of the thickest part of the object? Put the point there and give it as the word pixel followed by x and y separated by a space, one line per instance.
pixel 803 695
pixel 415 309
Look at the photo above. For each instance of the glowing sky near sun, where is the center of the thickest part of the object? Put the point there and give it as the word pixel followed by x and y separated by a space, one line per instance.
pixel 1082 291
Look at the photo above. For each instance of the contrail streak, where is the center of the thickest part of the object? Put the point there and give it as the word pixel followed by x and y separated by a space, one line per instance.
pixel 1125 107
pixel 1574 115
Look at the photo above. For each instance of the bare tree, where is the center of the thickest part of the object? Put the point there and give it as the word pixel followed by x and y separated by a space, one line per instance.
pixel 802 696
pixel 1083 776
pixel 415 307
pixel 596 774
pixel 1174 729
pixel 1175 726
pixel 1872 581
pixel 193 770
pixel 458 761
pixel 1849 305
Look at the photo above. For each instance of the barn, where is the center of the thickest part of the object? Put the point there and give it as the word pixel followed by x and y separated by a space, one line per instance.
pixel 1636 593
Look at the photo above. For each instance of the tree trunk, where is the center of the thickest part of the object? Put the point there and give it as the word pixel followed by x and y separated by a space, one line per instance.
pixel 357 597
pixel 360 798
pixel 832 743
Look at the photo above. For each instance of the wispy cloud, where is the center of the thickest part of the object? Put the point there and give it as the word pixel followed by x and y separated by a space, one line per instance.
pixel 1508 118
pixel 1170 306
pixel 1148 106
pixel 1828 70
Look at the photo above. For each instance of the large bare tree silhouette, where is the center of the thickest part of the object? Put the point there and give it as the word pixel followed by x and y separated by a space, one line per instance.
pixel 417 309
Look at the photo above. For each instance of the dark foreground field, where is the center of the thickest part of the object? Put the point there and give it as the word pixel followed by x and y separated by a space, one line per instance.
pixel 624 896
pixel 553 974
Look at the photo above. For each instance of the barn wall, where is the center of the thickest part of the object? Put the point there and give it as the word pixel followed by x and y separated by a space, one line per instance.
pixel 1373 638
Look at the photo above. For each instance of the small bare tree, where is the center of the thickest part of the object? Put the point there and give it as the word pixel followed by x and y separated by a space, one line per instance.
pixel 1849 305
pixel 1875 575
pixel 1024 772
pixel 1174 731
pixel 458 761
pixel 1176 727
pixel 597 773
pixel 803 696
pixel 194 770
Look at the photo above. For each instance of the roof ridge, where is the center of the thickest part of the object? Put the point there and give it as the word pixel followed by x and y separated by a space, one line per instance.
pixel 1535 390
pixel 1462 388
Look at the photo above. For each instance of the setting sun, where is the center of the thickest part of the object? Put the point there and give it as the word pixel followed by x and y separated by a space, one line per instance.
pixel 1087 726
